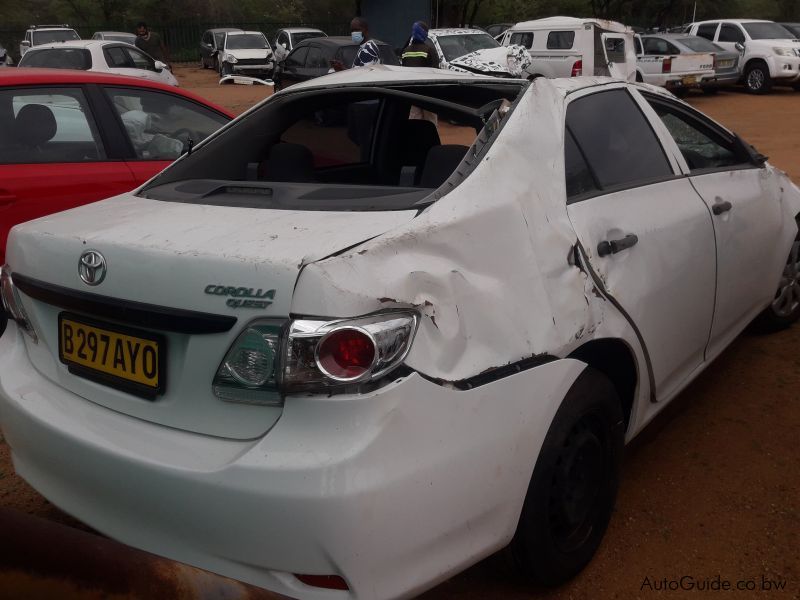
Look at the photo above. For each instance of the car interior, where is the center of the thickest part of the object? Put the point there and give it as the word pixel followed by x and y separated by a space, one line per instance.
pixel 43 128
pixel 349 148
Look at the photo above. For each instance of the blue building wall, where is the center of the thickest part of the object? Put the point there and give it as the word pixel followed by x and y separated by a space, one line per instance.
pixel 391 20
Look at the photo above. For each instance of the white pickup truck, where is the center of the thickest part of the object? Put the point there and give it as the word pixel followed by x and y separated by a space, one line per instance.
pixel 661 62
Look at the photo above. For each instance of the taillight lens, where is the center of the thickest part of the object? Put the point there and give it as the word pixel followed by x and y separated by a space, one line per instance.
pixel 346 354
pixel 11 303
pixel 322 354
pixel 577 69
pixel 249 372
pixel 666 66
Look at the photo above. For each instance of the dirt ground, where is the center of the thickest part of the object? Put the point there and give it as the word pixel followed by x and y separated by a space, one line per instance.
pixel 710 490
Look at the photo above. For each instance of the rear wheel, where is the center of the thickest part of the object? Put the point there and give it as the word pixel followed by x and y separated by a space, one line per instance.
pixel 757 79
pixel 785 307
pixel 574 484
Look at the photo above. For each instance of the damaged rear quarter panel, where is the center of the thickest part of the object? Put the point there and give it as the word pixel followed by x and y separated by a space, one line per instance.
pixel 488 265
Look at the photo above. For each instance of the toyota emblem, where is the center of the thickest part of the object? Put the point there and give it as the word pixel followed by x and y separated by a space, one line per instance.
pixel 92 267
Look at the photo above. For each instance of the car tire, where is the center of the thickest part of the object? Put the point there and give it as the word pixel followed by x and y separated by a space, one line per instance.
pixel 785 307
pixel 574 485
pixel 757 79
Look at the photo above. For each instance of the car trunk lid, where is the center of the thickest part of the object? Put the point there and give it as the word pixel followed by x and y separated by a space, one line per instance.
pixel 216 263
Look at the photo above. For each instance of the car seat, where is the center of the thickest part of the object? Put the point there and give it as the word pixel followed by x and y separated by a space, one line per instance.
pixel 289 163
pixel 34 126
pixel 419 136
pixel 440 163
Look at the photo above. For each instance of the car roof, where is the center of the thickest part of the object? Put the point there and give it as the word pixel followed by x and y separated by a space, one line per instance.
pixel 88 44
pixel 36 76
pixel 455 31
pixel 569 22
pixel 223 29
pixel 242 32
pixel 670 36
pixel 115 33
pixel 336 41
pixel 386 75
pixel 301 30
pixel 55 28
pixel 740 21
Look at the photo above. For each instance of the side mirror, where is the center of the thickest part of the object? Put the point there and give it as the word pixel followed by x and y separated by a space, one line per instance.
pixel 160 66
pixel 25 44
pixel 739 46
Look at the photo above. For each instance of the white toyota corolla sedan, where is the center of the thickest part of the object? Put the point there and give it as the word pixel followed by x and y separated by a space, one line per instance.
pixel 341 353
pixel 105 56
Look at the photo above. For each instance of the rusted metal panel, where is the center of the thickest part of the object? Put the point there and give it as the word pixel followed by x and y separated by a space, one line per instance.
pixel 43 559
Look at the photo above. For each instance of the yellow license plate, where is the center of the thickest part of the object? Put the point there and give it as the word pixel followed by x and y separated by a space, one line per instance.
pixel 119 357
pixel 689 80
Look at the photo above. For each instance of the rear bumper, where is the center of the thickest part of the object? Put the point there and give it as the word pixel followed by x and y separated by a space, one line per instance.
pixel 394 490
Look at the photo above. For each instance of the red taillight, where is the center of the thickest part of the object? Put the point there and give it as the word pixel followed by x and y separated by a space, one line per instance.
pixel 666 66
pixel 577 69
pixel 329 582
pixel 714 61
pixel 346 354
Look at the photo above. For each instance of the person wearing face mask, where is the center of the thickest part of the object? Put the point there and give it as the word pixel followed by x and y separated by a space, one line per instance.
pixel 368 53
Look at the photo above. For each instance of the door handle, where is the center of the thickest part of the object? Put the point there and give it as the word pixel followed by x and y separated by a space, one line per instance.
pixel 721 207
pixel 607 247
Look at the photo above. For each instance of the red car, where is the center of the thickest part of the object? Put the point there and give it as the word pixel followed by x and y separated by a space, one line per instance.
pixel 72 137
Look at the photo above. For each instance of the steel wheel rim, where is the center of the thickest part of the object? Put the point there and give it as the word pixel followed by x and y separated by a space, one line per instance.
pixel 755 79
pixel 576 484
pixel 787 299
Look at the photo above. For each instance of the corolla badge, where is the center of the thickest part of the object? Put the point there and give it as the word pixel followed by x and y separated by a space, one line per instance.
pixel 92 267
pixel 242 297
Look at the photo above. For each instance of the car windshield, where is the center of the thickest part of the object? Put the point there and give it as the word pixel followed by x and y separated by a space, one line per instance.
pixel 306 35
pixel 768 31
pixel 793 28
pixel 365 149
pixel 247 41
pixel 460 44
pixel 55 35
pixel 58 58
pixel 698 44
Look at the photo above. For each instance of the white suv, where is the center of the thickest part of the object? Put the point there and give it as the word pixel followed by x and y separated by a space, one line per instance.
pixel 36 35
pixel 770 52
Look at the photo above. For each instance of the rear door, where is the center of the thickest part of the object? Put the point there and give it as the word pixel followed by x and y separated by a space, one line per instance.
pixel 52 155
pixel 159 126
pixel 619 57
pixel 647 233
pixel 746 220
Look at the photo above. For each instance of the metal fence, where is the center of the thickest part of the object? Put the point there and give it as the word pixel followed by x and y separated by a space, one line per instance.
pixel 181 38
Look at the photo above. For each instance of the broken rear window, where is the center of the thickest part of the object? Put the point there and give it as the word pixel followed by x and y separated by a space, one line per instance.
pixel 347 148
